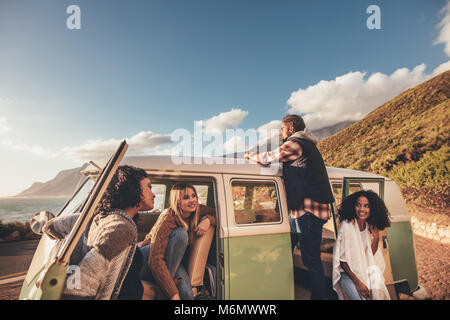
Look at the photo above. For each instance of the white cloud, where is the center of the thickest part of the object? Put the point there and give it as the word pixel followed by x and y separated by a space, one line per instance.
pixel 4 128
pixel 35 149
pixel 98 149
pixel 441 68
pixel 235 144
pixel 144 142
pixel 353 95
pixel 224 120
pixel 271 128
pixel 444 26
pixel 246 140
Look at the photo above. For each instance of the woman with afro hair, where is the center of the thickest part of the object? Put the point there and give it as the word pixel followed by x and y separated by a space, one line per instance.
pixel 109 259
pixel 358 265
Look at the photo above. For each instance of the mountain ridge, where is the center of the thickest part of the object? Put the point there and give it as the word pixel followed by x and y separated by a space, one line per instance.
pixel 63 184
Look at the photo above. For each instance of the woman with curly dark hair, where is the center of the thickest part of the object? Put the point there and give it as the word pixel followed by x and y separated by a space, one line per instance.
pixel 110 261
pixel 128 190
pixel 358 265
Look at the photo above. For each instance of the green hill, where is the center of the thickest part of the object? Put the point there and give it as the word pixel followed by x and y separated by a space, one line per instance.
pixel 406 139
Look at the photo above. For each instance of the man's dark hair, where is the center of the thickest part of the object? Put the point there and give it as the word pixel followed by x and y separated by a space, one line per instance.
pixel 297 122
pixel 379 215
pixel 124 190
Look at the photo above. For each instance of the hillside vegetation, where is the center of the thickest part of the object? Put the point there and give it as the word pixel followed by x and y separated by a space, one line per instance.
pixel 405 139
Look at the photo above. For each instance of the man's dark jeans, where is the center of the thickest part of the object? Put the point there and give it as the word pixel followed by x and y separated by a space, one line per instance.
pixel 310 237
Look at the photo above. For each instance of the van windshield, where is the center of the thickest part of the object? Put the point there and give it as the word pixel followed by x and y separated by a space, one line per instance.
pixel 75 204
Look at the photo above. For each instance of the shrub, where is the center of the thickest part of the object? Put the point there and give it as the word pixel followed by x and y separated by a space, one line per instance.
pixel 24 230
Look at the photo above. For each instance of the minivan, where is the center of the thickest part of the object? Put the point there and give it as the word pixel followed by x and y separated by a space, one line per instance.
pixel 248 255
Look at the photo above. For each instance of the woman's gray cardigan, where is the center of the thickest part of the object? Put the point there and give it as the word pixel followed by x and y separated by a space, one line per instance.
pixel 106 253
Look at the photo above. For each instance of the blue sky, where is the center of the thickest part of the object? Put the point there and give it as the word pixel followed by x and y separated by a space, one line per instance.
pixel 155 66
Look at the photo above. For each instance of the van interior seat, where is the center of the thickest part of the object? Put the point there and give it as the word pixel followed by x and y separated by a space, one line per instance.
pixel 198 255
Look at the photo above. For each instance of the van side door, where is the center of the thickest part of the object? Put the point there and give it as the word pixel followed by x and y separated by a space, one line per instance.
pixel 257 247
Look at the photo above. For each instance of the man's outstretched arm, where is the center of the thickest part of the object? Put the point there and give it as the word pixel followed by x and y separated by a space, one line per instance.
pixel 288 151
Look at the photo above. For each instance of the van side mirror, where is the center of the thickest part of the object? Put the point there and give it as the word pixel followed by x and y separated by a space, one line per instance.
pixel 39 220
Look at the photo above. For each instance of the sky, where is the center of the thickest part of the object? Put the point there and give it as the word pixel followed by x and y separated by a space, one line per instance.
pixel 141 70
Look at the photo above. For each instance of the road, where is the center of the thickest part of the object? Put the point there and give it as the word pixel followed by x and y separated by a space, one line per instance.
pixel 16 256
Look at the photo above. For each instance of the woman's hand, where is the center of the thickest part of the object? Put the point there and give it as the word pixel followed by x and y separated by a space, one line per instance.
pixel 375 240
pixel 202 227
pixel 175 297
pixel 375 234
pixel 363 291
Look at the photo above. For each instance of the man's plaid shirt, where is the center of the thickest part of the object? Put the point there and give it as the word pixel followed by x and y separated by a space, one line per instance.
pixel 291 150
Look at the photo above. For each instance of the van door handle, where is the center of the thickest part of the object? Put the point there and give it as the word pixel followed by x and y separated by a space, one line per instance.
pixel 221 259
pixel 385 242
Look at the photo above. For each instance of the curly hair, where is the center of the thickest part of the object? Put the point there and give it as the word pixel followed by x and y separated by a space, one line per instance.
pixel 379 215
pixel 124 190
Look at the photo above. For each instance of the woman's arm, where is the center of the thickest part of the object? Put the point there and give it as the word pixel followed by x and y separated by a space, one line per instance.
pixel 375 240
pixel 207 219
pixel 362 289
pixel 60 227
pixel 208 212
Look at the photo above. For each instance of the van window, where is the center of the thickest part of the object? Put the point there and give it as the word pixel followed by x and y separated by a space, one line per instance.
pixel 337 191
pixel 255 202
pixel 202 193
pixel 159 190
pixel 76 203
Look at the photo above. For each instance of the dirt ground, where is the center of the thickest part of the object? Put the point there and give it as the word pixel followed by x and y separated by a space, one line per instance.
pixel 433 256
pixel 433 264
pixel 432 259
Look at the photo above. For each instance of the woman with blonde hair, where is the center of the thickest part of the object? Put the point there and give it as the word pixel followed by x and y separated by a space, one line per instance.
pixel 169 238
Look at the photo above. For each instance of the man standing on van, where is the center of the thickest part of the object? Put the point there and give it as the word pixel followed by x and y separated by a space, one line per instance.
pixel 308 191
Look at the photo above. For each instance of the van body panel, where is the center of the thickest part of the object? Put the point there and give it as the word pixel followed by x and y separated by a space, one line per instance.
pixel 401 251
pixel 224 280
pixel 30 291
pixel 395 203
pixel 51 284
pixel 260 267
pixel 258 255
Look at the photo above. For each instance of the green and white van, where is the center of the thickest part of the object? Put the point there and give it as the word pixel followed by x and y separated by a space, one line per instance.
pixel 250 250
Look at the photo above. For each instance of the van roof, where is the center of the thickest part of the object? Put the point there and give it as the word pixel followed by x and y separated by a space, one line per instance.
pixel 217 165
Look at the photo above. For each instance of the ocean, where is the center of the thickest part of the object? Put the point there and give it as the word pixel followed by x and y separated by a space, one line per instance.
pixel 23 209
